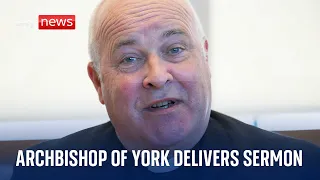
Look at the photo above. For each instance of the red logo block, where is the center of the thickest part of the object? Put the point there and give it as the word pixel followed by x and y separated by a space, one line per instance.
pixel 57 22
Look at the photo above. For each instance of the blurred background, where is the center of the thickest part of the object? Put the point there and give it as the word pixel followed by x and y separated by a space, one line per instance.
pixel 264 58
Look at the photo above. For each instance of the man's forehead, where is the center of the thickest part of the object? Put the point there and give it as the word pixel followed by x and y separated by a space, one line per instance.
pixel 157 30
pixel 121 27
pixel 152 29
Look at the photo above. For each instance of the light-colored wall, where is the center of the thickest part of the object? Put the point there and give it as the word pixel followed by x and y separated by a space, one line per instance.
pixel 264 57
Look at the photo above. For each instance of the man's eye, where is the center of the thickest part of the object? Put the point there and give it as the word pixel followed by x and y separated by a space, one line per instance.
pixel 130 63
pixel 129 60
pixel 175 50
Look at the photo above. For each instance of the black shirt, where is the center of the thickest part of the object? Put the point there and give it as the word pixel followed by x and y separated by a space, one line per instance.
pixel 223 133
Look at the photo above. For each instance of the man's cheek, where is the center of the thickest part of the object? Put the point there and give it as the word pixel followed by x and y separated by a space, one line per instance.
pixel 126 93
pixel 186 73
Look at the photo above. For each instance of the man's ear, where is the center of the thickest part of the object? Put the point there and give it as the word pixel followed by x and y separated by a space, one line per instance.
pixel 93 74
pixel 206 49
pixel 206 52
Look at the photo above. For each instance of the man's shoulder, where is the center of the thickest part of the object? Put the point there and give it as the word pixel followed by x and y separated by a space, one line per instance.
pixel 243 135
pixel 100 136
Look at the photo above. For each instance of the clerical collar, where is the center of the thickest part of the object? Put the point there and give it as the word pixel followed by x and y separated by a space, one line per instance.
pixel 163 169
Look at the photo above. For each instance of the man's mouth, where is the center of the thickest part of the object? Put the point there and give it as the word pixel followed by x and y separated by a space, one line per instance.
pixel 163 104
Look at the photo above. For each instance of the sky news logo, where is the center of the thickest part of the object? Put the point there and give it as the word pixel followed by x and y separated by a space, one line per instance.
pixel 57 22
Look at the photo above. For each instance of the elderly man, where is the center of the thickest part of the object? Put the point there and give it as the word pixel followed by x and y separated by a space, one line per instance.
pixel 150 69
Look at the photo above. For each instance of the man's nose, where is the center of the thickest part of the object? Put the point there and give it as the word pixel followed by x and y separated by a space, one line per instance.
pixel 157 73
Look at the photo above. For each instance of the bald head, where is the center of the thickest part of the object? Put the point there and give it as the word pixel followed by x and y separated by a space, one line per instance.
pixel 112 16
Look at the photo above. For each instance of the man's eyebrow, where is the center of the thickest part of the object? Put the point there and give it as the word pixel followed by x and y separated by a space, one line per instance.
pixel 127 42
pixel 172 32
pixel 166 34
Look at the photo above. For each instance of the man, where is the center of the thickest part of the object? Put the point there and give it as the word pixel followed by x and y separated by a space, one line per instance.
pixel 150 69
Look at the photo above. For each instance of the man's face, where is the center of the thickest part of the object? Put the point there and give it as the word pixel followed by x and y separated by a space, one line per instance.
pixel 155 78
